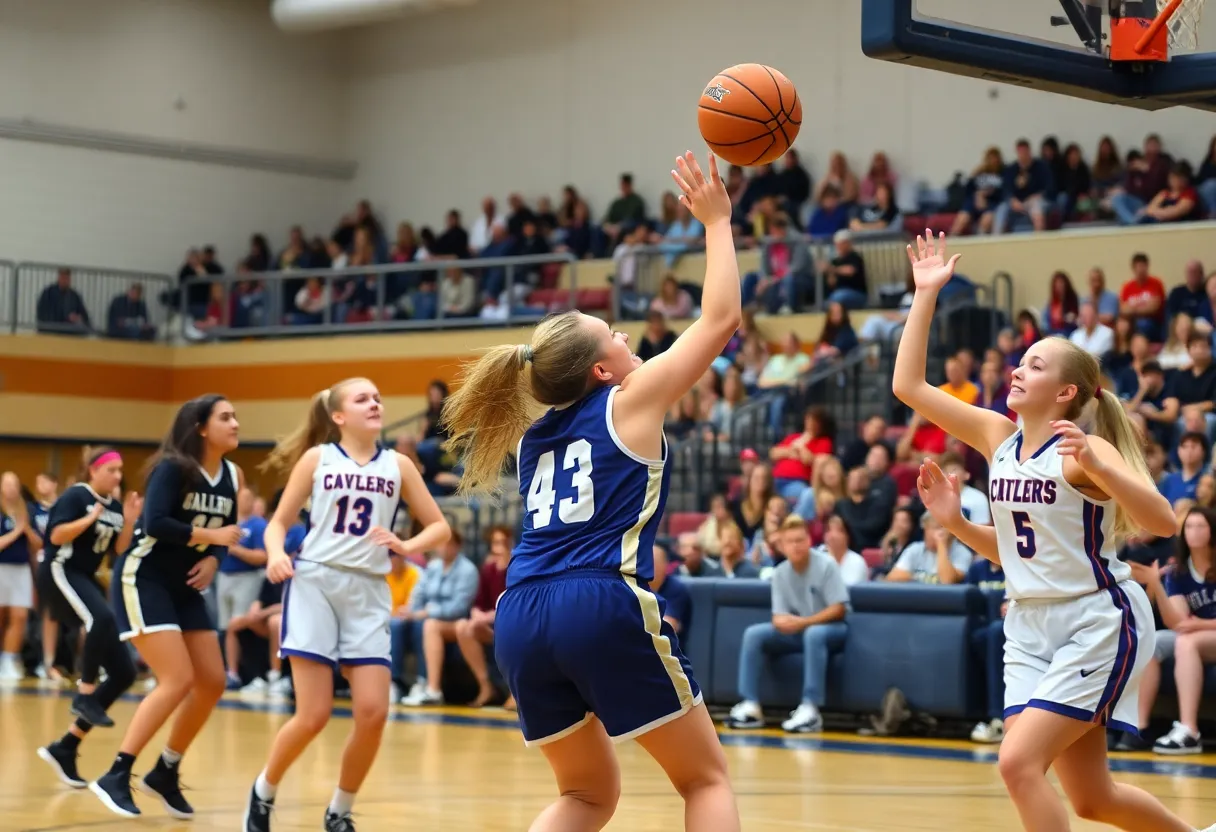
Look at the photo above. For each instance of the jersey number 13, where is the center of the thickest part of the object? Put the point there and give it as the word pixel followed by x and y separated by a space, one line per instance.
pixel 542 495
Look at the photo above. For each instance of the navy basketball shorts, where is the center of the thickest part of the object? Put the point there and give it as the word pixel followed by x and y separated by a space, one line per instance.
pixel 147 602
pixel 585 644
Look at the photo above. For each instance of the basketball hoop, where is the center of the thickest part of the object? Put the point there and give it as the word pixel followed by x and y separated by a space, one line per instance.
pixel 1183 25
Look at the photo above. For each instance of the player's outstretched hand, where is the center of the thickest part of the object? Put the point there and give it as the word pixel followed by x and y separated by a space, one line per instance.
pixel 930 268
pixel 939 493
pixel 279 568
pixel 705 196
pixel 1074 443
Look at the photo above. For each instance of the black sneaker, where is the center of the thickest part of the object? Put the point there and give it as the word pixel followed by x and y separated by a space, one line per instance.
pixel 338 823
pixel 1132 742
pixel 63 762
pixel 88 709
pixel 257 812
pixel 114 790
pixel 1179 740
pixel 162 781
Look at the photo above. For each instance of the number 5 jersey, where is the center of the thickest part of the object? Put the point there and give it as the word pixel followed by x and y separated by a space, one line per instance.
pixel 589 502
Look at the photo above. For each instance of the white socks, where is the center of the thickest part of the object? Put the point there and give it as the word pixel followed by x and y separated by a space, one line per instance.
pixel 342 802
pixel 264 790
pixel 171 758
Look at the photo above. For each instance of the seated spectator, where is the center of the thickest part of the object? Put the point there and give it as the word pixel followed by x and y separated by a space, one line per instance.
pixel 719 515
pixel 733 559
pixel 1191 298
pixel 840 178
pixel 899 537
pixel 1176 202
pixel 1107 171
pixel 458 293
pixel 810 603
pixel 785 271
pixel 724 413
pixel 1027 181
pixel 1142 300
pixel 487 220
pixel 882 486
pixel 1182 484
pixel 873 432
pixel 1104 300
pixel 677 603
pixel 878 215
pixel 1091 335
pixel 994 390
pixel 921 438
pixel 310 303
pixel 625 213
pixel 988 642
pixel 844 278
pixel 401 579
pixel 984 190
pixel 957 383
pixel 1193 391
pixel 829 216
pixel 784 368
pixel 1060 313
pixel 475 633
pixel 657 338
pixel 1174 354
pixel 672 300
pixel 751 360
pixel 1186 599
pixel 61 309
pixel 764 551
pixel 443 596
pixel 128 316
pixel 684 234
pixel 248 303
pixel 694 564
pixel 853 568
pixel 627 261
pixel 794 457
pixel 793 183
pixel 578 236
pixel 296 254
pixel 974 503
pixel 1074 185
pixel 828 480
pixel 938 559
pixel 748 511
pixel 837 339
pixel 880 175
pixel 259 258
pixel 866 513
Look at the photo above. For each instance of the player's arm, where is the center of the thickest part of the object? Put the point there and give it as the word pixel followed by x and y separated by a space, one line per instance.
pixel 132 508
pixel 295 494
pixel 982 429
pixel 70 516
pixel 435 529
pixel 1095 462
pixel 651 389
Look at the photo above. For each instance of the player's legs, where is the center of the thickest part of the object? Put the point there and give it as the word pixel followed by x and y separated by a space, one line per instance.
pixel 588 781
pixel 1085 776
pixel 472 640
pixel 166 654
pixel 690 753
pixel 208 687
pixel 314 689
pixel 369 690
pixel 1033 740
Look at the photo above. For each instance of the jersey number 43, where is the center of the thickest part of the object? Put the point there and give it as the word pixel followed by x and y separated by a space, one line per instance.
pixel 542 494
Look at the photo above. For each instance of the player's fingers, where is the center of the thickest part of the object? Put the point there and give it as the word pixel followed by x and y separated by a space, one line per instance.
pixel 911 255
pixel 941 244
pixel 954 260
pixel 920 247
pixel 679 178
pixel 930 243
pixel 714 176
pixel 698 177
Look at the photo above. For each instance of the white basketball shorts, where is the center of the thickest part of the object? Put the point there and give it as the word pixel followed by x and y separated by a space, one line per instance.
pixel 16 585
pixel 336 616
pixel 1080 657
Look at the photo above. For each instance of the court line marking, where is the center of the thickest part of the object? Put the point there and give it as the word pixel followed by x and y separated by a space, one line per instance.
pixel 737 739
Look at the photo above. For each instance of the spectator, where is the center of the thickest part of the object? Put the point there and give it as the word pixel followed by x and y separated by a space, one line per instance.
pixel 873 432
pixel 1176 202
pixel 720 513
pixel 957 383
pixel 672 301
pixel 785 271
pixel 694 564
pixel 458 293
pixel 657 338
pixel 828 480
pixel 793 183
pixel 1147 173
pixel 748 512
pixel 845 276
pixel 475 633
pixel 983 194
pixel 1027 181
pixel 1192 457
pixel 794 457
pixel 1174 355
pixel 1190 297
pixel 626 212
pixel 1205 179
pixel 1142 300
pixel 1107 172
pixel 841 179
pixel 259 257
pixel 128 316
pixel 938 559
pixel 865 512
pixel 898 538
pixel 853 569
pixel 882 486
pixel 809 604
pixel 1206 319
pixel 879 176
pixel 784 368
pixel 570 201
pixel 454 241
pixel 1092 335
pixel 683 234
pixel 1049 153
pixel 1104 300
pixel 733 562
pixel 577 237
pixel 994 389
pixel 481 231
pixel 988 642
pixel 677 603
pixel 974 503
pixel 61 310
pixel 1193 391
pixel 520 213
pixel 723 414
pixel 1074 185
pixel 752 359
pixel 1060 313
pixel 1147 398
pixel 443 596
pixel 837 338
pixel 829 215
pixel 878 215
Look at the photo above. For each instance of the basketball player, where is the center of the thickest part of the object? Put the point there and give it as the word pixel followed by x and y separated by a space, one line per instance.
pixel 187 525
pixel 1079 630
pixel 46 491
pixel 578 634
pixel 83 528
pixel 337 606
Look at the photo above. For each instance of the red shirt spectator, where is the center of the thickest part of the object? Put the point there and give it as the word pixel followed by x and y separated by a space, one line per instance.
pixel 492 584
pixel 1142 299
pixel 793 456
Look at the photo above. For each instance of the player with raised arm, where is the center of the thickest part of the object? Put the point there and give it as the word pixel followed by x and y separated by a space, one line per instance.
pixel 578 634
pixel 1079 630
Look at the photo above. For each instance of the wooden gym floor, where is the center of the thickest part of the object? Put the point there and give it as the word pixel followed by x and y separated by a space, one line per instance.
pixel 457 769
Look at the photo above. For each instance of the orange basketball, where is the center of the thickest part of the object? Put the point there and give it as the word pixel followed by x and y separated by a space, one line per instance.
pixel 749 114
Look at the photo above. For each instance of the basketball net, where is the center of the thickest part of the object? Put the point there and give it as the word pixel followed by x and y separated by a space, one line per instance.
pixel 1184 25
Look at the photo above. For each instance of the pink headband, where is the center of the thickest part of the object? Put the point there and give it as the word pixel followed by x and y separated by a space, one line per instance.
pixel 108 456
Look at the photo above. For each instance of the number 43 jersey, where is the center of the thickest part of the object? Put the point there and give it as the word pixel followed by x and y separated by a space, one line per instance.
pixel 1054 542
pixel 589 502
pixel 348 500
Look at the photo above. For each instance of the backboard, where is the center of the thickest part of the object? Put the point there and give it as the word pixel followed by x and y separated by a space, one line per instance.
pixel 1115 51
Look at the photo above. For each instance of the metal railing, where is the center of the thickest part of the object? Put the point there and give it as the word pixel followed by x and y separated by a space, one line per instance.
pixel 389 296
pixel 883 253
pixel 81 305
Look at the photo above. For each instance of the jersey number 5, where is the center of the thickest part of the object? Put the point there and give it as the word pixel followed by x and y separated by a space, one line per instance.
pixel 541 494
pixel 1025 533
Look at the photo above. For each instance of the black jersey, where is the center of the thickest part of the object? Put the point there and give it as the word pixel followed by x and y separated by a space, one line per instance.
pixel 174 505
pixel 91 546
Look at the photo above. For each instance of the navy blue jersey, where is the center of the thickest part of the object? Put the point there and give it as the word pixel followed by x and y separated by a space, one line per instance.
pixel 589 502
pixel 18 551
pixel 91 546
pixel 1199 594
pixel 173 506
pixel 39 515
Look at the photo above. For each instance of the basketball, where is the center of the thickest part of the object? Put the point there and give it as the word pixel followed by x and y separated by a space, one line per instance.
pixel 749 114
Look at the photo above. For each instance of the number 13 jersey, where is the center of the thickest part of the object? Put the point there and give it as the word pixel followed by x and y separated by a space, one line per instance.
pixel 1054 542
pixel 589 502
pixel 348 500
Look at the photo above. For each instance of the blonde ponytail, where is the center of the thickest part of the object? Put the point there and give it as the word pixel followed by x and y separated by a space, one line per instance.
pixel 316 429
pixel 501 394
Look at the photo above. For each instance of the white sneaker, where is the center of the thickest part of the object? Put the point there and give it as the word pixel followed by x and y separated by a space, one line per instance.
pixel 10 671
pixel 1179 741
pixel 150 684
pixel 280 688
pixel 394 693
pixel 745 716
pixel 989 732
pixel 805 719
pixel 257 687
pixel 420 698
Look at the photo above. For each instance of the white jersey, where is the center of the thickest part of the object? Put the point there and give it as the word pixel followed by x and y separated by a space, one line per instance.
pixel 1054 542
pixel 348 500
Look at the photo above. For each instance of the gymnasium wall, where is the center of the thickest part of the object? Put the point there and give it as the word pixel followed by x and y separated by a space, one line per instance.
pixel 119 66
pixel 530 95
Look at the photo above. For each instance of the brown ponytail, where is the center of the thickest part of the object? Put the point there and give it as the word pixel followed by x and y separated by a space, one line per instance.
pixel 501 393
pixel 316 429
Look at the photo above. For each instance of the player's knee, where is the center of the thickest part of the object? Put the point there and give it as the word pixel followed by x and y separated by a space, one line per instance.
pixel 712 774
pixel 1093 805
pixel 1017 768
pixel 371 714
pixel 209 683
pixel 602 797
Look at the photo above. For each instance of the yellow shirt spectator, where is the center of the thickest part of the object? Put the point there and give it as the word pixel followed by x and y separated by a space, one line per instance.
pixel 401 581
